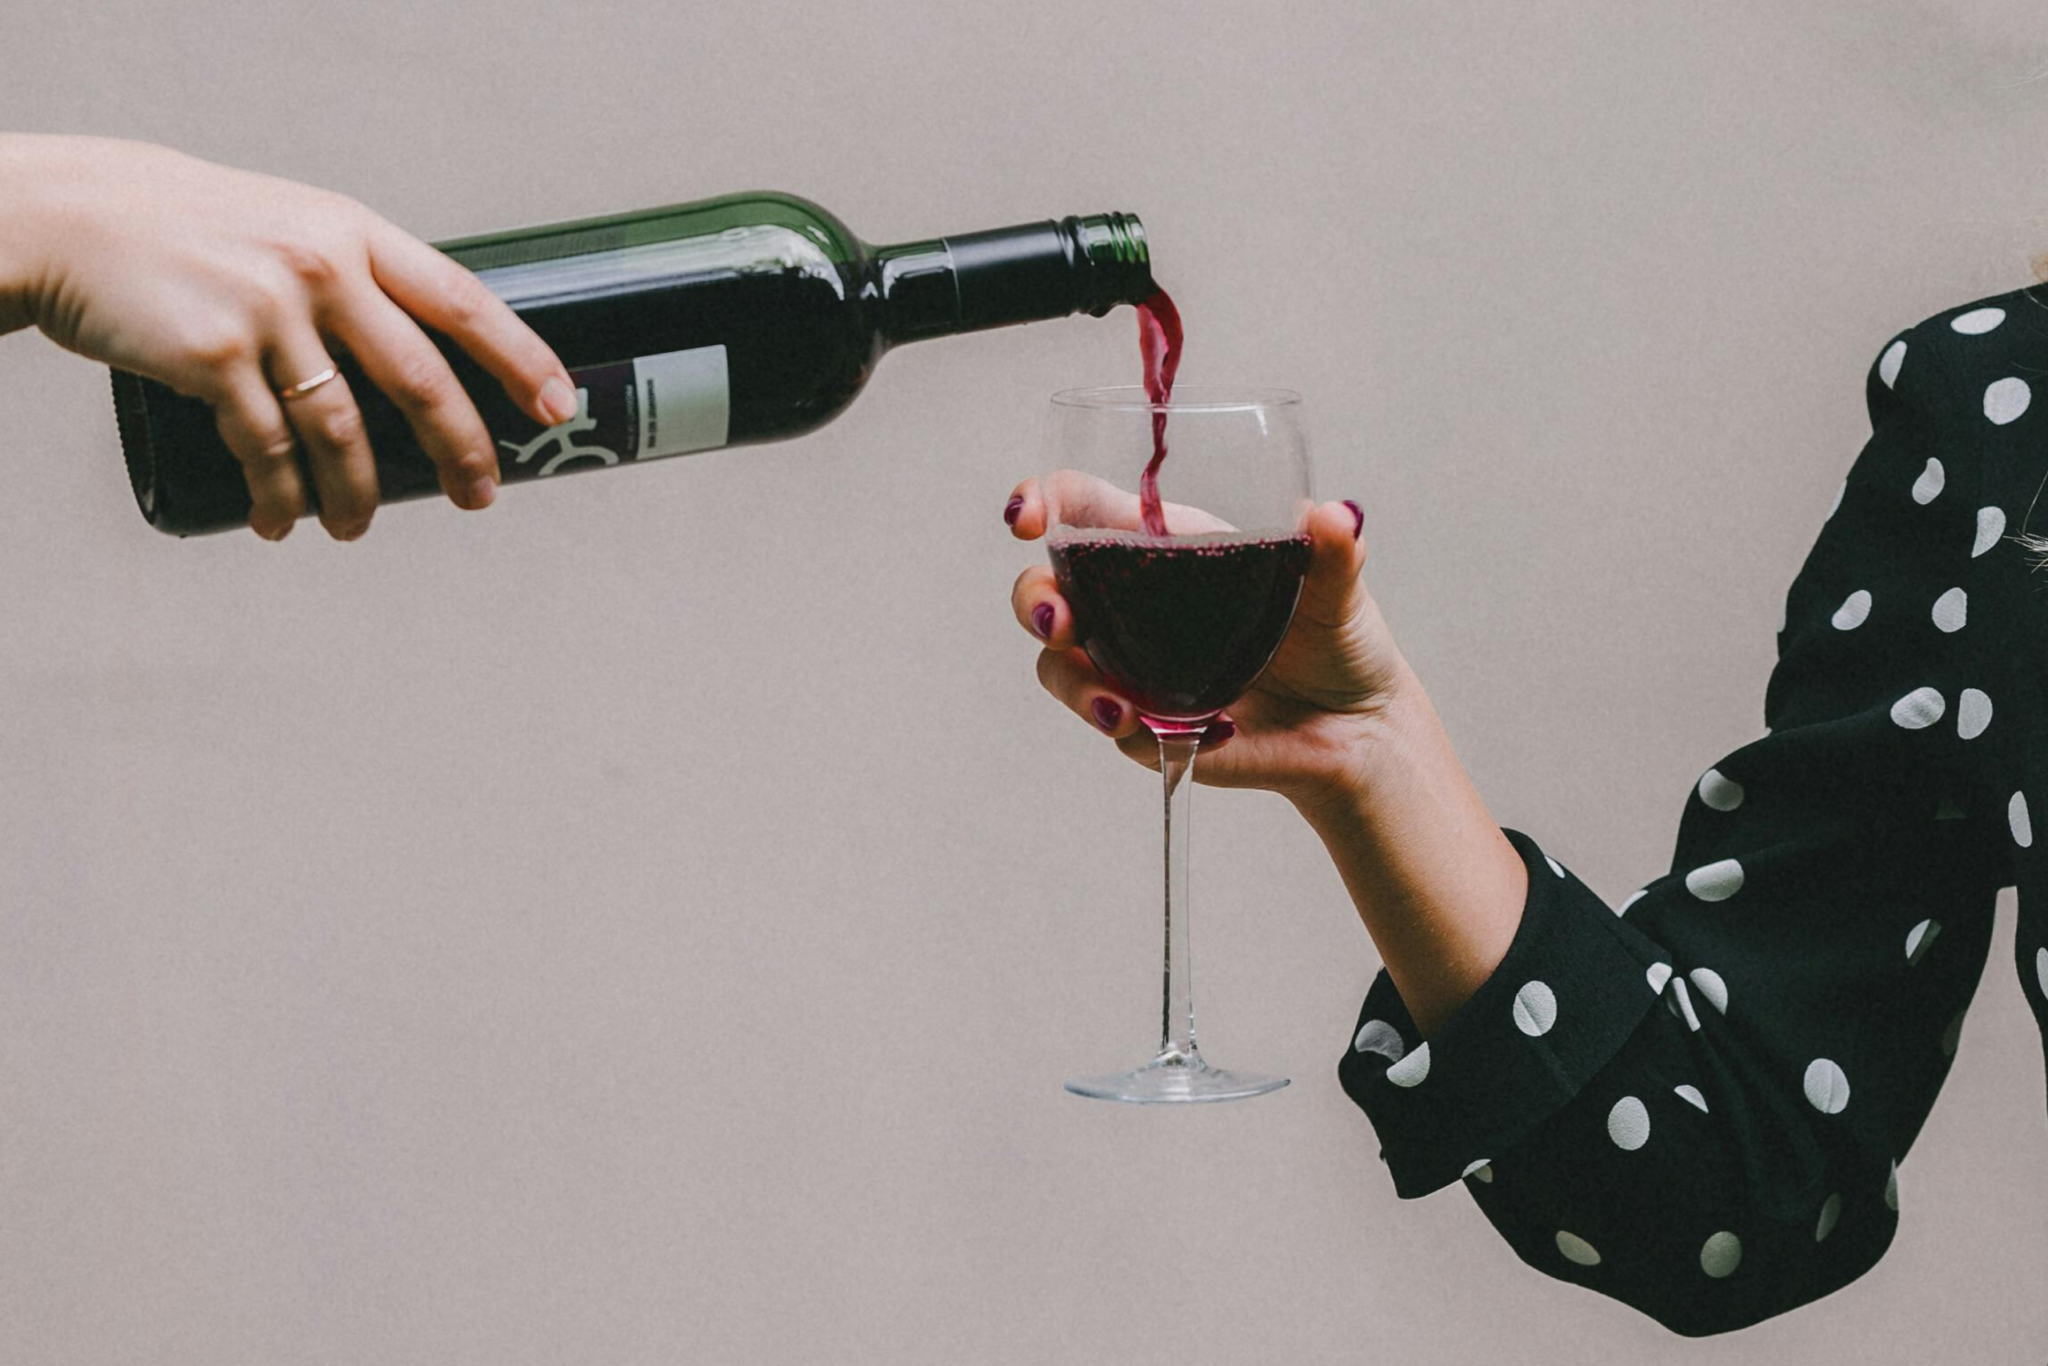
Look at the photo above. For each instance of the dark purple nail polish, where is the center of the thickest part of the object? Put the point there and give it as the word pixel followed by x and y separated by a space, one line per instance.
pixel 1109 713
pixel 1041 620
pixel 1357 518
pixel 1219 730
pixel 1014 509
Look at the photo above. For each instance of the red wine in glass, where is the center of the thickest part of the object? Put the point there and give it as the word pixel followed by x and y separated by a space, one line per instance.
pixel 1180 627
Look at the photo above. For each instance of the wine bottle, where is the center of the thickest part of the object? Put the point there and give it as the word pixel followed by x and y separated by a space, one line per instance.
pixel 747 318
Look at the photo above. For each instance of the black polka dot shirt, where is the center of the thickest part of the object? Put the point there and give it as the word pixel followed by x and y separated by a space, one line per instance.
pixel 1699 1101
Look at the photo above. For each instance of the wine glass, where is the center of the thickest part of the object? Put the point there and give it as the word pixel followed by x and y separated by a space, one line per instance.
pixel 1182 576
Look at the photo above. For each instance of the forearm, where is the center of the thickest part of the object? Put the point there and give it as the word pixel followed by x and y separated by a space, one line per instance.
pixel 24 170
pixel 1437 884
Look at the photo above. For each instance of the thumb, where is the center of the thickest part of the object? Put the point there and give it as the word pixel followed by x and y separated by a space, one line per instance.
pixel 1337 554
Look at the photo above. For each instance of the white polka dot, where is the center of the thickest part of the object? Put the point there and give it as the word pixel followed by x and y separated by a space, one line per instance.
pixel 1680 1001
pixel 1853 612
pixel 1577 1249
pixel 1977 321
pixel 1927 487
pixel 1835 506
pixel 2016 816
pixel 1919 709
pixel 1535 1009
pixel 1947 810
pixel 1973 713
pixel 1888 364
pixel 2006 399
pixel 1712 987
pixel 1953 1035
pixel 1553 865
pixel 1952 610
pixel 1721 1255
pixel 1659 974
pixel 1377 1036
pixel 1720 791
pixel 1715 881
pixel 2041 968
pixel 1891 1190
pixel 1990 526
pixel 1633 898
pixel 1830 1213
pixel 1412 1069
pixel 1628 1124
pixel 1919 939
pixel 1482 1170
pixel 1827 1090
pixel 1691 1096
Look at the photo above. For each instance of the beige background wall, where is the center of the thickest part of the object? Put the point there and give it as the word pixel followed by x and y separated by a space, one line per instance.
pixel 650 922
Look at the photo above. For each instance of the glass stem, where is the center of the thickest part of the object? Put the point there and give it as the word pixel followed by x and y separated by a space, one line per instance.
pixel 1177 986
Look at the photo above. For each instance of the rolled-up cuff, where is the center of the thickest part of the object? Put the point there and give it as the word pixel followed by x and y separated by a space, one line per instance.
pixel 1575 984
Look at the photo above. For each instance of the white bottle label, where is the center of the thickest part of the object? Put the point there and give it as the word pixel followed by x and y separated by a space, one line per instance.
pixel 685 402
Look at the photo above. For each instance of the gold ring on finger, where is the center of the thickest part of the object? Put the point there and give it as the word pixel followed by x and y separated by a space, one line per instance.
pixel 306 386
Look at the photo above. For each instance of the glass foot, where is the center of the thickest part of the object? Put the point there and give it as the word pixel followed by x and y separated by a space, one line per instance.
pixel 1174 1077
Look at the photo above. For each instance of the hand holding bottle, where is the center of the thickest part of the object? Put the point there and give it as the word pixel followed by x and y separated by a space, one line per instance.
pixel 690 327
pixel 234 287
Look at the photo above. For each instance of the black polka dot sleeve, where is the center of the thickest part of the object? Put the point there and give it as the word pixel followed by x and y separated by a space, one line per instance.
pixel 1696 1101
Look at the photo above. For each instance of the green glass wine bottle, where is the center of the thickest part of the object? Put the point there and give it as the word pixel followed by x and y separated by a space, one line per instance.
pixel 725 322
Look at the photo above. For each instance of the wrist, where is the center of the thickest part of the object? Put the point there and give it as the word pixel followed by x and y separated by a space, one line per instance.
pixel 1438 885
pixel 27 165
pixel 1369 753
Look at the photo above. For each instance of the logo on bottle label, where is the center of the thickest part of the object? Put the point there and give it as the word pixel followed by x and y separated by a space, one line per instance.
pixel 559 443
pixel 645 409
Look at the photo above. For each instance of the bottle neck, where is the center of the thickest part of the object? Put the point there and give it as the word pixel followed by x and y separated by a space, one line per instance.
pixel 980 280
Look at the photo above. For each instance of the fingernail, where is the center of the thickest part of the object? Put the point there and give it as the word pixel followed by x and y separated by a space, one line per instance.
pixel 1013 509
pixel 1357 518
pixel 1219 730
pixel 1109 713
pixel 558 400
pixel 1041 620
pixel 482 493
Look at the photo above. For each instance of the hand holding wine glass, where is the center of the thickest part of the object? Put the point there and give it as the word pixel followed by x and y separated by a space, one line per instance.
pixel 1337 723
pixel 1296 731
pixel 1164 606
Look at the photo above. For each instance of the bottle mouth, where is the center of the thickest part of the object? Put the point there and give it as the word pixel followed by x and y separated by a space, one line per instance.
pixel 1116 246
pixel 1187 398
pixel 1115 239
